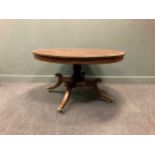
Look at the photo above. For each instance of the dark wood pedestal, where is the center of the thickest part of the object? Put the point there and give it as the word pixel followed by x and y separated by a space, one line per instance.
pixel 78 80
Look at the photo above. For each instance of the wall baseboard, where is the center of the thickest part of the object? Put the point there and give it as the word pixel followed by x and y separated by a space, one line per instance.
pixel 51 78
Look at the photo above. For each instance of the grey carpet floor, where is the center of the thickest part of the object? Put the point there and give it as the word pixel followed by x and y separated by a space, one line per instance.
pixel 27 108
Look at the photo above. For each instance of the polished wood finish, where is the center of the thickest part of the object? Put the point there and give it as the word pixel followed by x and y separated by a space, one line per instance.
pixel 58 83
pixel 79 61
pixel 78 57
pixel 78 53
pixel 65 99
pixel 71 83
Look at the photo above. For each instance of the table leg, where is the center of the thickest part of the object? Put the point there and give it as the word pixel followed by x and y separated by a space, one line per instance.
pixel 78 80
pixel 65 99
pixel 57 84
pixel 102 94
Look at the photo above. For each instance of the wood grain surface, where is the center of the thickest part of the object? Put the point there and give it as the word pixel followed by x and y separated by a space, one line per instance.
pixel 78 53
pixel 78 56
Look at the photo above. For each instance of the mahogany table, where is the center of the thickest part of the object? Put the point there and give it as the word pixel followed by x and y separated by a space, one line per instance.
pixel 77 57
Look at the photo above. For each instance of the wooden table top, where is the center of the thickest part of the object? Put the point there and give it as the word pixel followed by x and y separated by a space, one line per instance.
pixel 79 55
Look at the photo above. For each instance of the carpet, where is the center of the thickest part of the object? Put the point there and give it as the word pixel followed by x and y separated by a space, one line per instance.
pixel 28 109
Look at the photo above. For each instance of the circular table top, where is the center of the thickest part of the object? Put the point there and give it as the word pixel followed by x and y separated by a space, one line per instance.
pixel 79 55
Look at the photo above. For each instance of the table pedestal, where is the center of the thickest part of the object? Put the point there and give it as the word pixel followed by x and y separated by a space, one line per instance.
pixel 78 80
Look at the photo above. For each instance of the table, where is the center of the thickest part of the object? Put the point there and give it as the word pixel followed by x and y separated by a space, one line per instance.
pixel 78 57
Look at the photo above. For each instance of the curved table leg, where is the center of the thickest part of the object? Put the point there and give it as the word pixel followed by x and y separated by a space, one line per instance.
pixel 65 99
pixel 57 84
pixel 102 95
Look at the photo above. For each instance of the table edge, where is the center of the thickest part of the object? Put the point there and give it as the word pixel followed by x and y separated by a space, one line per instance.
pixel 72 57
pixel 78 61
